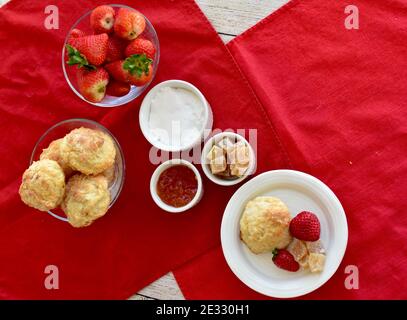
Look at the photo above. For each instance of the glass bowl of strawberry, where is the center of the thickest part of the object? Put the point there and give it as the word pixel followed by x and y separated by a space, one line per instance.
pixel 110 55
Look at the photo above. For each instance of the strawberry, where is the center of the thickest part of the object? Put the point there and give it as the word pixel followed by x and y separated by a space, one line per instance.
pixel 102 19
pixel 305 226
pixel 140 46
pixel 136 70
pixel 76 33
pixel 129 24
pixel 116 71
pixel 117 88
pixel 92 83
pixel 91 48
pixel 285 260
pixel 143 79
pixel 115 49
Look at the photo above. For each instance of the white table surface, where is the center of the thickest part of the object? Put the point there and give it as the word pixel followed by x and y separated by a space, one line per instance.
pixel 230 18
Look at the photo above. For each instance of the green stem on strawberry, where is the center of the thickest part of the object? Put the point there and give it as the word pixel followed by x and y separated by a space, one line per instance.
pixel 76 58
pixel 137 63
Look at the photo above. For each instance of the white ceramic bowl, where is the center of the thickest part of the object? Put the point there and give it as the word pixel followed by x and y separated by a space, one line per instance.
pixel 145 111
pixel 156 176
pixel 216 139
pixel 300 192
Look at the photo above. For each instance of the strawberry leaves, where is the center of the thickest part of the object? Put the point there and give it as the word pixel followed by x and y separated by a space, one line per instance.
pixel 76 58
pixel 137 64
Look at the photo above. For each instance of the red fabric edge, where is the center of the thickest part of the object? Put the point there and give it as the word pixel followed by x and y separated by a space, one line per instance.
pixel 289 5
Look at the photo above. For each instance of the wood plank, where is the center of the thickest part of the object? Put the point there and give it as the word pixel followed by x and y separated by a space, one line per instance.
pixel 232 17
pixel 165 288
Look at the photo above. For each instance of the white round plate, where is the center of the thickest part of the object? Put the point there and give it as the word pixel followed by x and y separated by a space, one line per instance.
pixel 300 192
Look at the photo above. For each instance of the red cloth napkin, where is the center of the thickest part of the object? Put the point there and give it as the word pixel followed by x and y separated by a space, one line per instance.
pixel 338 101
pixel 135 243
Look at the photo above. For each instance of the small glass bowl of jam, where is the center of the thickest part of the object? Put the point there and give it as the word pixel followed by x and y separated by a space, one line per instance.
pixel 176 186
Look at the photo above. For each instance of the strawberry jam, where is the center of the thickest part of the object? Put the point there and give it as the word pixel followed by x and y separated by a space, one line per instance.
pixel 177 186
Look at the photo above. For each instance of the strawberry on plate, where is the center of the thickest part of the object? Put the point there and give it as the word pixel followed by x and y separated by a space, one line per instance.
pixel 115 49
pixel 305 226
pixel 102 19
pixel 129 24
pixel 136 70
pixel 93 48
pixel 140 46
pixel 285 260
pixel 92 83
pixel 117 88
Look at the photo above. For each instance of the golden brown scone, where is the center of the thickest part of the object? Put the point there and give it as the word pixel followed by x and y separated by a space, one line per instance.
pixel 110 174
pixel 88 151
pixel 87 198
pixel 53 152
pixel 43 185
pixel 264 225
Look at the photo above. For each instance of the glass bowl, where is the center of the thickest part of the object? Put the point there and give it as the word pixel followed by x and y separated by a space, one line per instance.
pixel 59 131
pixel 109 101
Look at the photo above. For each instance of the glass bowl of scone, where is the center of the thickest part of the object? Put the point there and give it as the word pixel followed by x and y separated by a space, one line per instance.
pixel 76 172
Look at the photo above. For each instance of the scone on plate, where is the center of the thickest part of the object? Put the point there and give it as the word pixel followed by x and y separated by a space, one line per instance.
pixel 264 225
pixel 43 185
pixel 87 198
pixel 88 151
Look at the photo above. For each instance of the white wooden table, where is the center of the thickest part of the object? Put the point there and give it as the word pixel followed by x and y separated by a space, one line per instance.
pixel 230 18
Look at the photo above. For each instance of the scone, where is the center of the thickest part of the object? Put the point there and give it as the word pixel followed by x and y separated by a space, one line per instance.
pixel 110 174
pixel 53 152
pixel 87 198
pixel 88 151
pixel 43 185
pixel 264 225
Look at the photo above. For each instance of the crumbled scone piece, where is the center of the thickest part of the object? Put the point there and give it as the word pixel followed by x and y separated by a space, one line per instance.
pixel 315 246
pixel 316 262
pixel 298 249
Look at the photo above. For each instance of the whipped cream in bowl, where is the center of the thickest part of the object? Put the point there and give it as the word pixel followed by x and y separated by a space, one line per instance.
pixel 175 116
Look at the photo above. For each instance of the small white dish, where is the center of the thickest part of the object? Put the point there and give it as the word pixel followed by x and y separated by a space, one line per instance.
pixel 216 139
pixel 156 175
pixel 145 112
pixel 300 192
